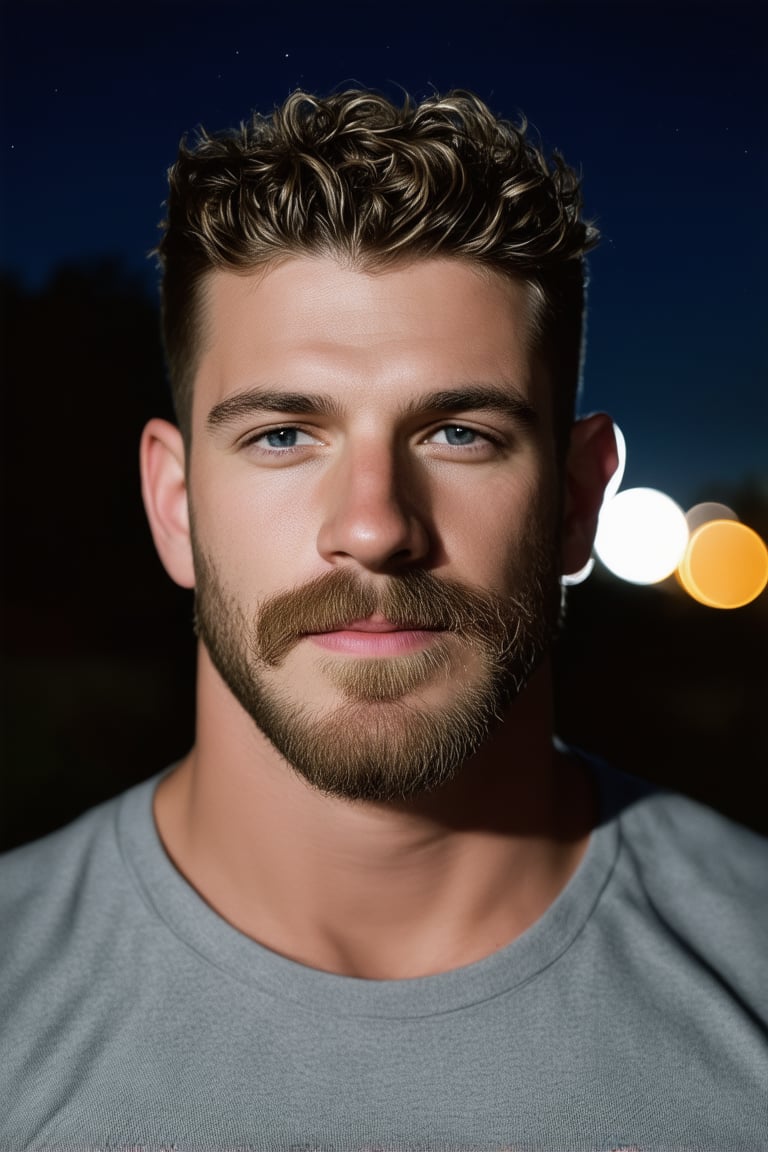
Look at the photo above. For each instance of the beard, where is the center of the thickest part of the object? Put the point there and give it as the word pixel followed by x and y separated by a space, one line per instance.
pixel 382 742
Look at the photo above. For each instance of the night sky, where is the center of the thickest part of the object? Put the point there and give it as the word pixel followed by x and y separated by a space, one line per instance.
pixel 661 105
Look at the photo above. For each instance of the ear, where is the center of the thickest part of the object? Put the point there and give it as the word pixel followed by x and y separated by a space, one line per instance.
pixel 164 489
pixel 591 461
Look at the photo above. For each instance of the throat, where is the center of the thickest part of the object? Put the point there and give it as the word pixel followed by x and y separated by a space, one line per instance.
pixel 364 890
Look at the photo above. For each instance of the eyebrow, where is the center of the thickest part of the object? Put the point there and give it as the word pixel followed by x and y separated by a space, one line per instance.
pixel 504 399
pixel 269 400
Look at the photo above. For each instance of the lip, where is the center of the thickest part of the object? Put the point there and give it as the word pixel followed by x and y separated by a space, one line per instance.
pixel 375 636
pixel 378 624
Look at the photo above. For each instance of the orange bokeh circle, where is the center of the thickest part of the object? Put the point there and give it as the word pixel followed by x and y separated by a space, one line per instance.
pixel 725 564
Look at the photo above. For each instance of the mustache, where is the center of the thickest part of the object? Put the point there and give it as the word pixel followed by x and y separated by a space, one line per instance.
pixel 416 600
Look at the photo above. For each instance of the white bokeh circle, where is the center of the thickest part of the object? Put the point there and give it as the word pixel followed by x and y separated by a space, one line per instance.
pixel 641 535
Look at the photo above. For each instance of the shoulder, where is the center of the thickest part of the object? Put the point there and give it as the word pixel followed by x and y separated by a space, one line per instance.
pixel 673 838
pixel 691 876
pixel 45 884
pixel 669 835
pixel 74 926
pixel 56 856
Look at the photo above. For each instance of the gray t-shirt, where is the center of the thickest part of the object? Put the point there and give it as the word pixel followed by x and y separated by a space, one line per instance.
pixel 633 1014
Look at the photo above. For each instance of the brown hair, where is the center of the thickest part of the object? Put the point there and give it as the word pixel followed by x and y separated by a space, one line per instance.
pixel 354 176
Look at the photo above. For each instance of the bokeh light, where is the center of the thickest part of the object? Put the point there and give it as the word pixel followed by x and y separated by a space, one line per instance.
pixel 641 535
pixel 725 564
pixel 702 513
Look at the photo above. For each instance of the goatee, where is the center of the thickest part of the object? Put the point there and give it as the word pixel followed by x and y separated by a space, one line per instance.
pixel 382 742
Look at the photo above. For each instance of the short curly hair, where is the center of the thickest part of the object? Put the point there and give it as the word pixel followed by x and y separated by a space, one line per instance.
pixel 354 176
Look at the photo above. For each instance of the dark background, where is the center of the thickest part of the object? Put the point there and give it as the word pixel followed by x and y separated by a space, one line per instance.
pixel 663 108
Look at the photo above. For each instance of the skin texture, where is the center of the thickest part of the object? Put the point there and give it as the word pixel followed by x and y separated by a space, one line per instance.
pixel 375 484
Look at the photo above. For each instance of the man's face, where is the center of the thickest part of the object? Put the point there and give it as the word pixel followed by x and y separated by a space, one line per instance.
pixel 374 497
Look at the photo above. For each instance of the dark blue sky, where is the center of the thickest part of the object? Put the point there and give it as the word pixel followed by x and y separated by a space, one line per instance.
pixel 662 106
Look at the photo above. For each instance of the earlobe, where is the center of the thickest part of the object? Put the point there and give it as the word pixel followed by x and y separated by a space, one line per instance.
pixel 591 462
pixel 164 490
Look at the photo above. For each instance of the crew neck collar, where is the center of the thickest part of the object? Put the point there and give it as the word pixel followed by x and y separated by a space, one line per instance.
pixel 216 942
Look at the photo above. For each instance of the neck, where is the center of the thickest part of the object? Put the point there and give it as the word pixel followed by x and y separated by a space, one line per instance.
pixel 376 890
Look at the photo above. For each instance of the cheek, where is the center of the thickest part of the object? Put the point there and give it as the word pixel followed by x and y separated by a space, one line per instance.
pixel 260 535
pixel 491 532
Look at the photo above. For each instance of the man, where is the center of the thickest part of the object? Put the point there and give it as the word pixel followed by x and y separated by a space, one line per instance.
pixel 376 905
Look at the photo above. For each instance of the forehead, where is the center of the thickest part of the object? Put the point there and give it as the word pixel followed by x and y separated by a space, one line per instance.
pixel 312 322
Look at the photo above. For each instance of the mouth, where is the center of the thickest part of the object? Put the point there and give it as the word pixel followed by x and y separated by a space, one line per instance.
pixel 375 636
pixel 382 624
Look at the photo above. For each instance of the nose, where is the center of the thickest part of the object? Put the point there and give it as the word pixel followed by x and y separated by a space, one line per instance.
pixel 374 511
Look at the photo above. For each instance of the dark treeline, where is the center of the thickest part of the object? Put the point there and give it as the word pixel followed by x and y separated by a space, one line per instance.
pixel 97 645
pixel 96 642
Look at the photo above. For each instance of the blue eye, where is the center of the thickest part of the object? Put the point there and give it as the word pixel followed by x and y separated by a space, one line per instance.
pixel 287 437
pixel 282 438
pixel 457 435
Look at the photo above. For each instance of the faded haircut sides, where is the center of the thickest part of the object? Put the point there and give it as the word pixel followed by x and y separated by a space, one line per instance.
pixel 372 184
